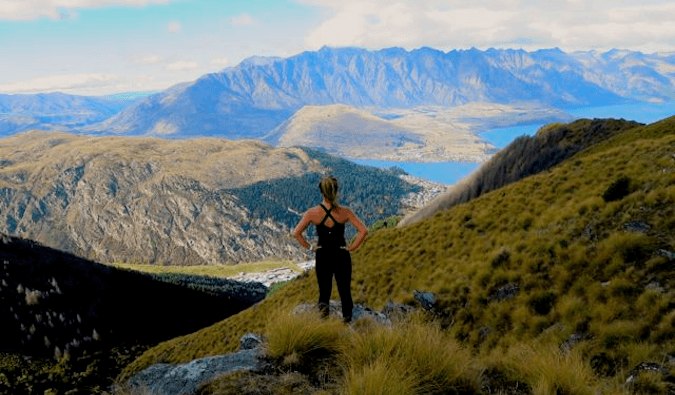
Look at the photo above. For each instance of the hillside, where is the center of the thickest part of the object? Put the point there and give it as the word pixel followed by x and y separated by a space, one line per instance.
pixel 72 323
pixel 149 200
pixel 525 156
pixel 561 282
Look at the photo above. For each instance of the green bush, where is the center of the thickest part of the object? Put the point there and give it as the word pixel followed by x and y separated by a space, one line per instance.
pixel 617 190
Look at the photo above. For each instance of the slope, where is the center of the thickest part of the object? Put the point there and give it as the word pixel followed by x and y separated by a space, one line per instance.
pixel 149 200
pixel 576 251
pixel 80 320
pixel 525 156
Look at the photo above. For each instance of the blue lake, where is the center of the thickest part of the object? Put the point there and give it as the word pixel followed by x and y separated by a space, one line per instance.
pixel 444 172
pixel 451 172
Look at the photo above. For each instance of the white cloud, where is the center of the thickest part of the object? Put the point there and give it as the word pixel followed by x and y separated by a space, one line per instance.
pixel 182 66
pixel 150 59
pixel 220 62
pixel 174 27
pixel 447 24
pixel 59 9
pixel 242 20
pixel 62 83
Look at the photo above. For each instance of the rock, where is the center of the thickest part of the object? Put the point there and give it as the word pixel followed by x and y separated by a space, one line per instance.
pixel 645 366
pixel 636 226
pixel 335 309
pixel 250 341
pixel 504 292
pixel 574 338
pixel 426 299
pixel 397 311
pixel 666 253
pixel 185 379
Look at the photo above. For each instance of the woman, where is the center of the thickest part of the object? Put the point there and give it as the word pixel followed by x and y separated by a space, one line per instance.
pixel 332 253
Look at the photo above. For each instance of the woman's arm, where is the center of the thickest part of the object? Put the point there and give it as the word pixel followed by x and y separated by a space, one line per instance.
pixel 304 223
pixel 363 231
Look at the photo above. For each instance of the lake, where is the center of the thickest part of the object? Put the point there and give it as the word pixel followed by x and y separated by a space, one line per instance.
pixel 451 172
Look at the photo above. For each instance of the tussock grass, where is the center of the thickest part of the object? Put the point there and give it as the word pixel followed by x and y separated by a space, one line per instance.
pixel 425 359
pixel 545 369
pixel 298 338
pixel 379 378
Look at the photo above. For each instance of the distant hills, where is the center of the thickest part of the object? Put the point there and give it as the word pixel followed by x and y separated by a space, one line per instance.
pixel 58 111
pixel 256 96
pixel 159 201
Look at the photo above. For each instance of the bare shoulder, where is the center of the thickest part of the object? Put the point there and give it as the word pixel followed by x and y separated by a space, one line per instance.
pixel 345 213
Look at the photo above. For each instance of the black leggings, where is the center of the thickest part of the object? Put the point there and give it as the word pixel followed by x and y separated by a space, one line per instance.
pixel 338 262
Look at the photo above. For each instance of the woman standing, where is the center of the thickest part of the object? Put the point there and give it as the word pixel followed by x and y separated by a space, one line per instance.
pixel 332 253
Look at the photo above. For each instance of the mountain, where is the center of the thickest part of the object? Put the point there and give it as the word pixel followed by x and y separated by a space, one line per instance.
pixel 189 202
pixel 559 283
pixel 254 97
pixel 58 111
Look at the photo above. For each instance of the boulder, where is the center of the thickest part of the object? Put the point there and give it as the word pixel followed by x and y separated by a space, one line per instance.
pixel 186 378
pixel 426 299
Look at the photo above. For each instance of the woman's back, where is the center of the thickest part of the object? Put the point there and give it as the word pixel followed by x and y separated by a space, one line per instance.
pixel 331 230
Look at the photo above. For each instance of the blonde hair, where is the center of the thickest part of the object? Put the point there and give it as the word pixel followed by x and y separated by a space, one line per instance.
pixel 329 189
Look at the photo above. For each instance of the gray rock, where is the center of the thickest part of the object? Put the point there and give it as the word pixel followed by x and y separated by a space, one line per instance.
pixel 426 299
pixel 186 378
pixel 397 311
pixel 666 253
pixel 574 338
pixel 636 226
pixel 250 341
pixel 335 309
pixel 643 367
pixel 505 292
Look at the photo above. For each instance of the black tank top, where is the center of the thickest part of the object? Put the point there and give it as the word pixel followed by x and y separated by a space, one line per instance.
pixel 330 237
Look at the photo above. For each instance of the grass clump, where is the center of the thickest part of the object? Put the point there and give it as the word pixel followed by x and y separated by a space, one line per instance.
pixel 545 369
pixel 418 357
pixel 298 339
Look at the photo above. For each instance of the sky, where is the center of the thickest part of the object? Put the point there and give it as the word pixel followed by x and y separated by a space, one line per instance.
pixel 97 47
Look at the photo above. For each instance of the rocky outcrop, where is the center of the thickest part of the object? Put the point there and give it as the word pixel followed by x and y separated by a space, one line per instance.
pixel 186 378
pixel 335 309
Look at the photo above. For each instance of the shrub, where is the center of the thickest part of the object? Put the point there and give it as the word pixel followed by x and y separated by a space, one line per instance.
pixel 617 190
pixel 542 302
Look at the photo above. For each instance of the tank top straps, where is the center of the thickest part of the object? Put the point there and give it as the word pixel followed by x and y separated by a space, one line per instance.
pixel 330 236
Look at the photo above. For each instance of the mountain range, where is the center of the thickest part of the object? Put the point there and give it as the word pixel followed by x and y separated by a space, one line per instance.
pixel 253 98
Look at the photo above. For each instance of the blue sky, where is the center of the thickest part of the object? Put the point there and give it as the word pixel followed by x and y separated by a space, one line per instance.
pixel 96 47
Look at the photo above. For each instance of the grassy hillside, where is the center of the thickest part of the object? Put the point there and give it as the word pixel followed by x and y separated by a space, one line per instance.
pixel 525 156
pixel 69 323
pixel 584 249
